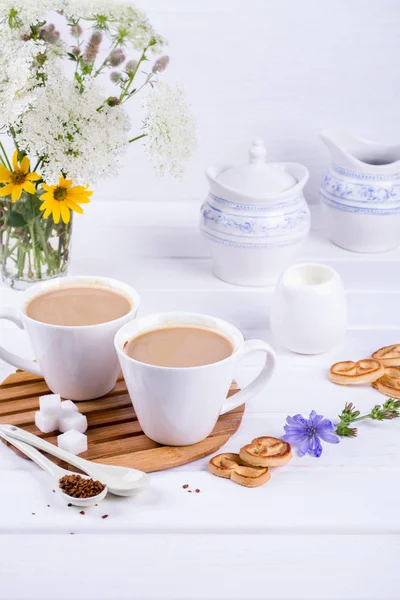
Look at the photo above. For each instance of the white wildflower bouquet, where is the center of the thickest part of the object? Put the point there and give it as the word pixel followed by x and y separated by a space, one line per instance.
pixel 67 132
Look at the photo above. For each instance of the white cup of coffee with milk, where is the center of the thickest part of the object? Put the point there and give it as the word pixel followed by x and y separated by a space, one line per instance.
pixel 71 323
pixel 178 368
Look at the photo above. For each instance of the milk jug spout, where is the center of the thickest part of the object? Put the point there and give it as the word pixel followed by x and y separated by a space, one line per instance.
pixel 363 156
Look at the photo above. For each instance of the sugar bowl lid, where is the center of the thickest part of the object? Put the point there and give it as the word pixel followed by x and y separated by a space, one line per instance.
pixel 258 177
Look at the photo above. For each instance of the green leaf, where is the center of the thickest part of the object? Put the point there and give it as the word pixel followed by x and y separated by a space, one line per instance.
pixel 16 219
pixel 78 78
pixel 71 56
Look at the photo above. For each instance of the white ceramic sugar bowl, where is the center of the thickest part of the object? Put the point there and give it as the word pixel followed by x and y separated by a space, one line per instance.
pixel 255 218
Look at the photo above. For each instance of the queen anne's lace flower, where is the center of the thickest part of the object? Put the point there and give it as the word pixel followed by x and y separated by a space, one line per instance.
pixel 18 79
pixel 170 128
pixel 134 28
pixel 19 15
pixel 78 140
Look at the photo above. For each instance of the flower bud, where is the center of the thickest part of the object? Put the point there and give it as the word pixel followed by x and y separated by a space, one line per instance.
pixel 116 57
pixel 113 101
pixel 49 34
pixel 92 48
pixel 131 66
pixel 115 76
pixel 161 64
pixel 76 51
pixel 76 31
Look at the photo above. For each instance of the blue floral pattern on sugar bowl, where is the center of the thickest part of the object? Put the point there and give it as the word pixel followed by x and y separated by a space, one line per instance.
pixel 255 218
pixel 360 193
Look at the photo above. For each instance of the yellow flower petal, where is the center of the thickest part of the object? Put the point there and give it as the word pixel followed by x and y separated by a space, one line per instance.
pixel 65 183
pixel 25 165
pixel 46 213
pixel 65 214
pixel 47 196
pixel 48 188
pixel 16 192
pixel 6 190
pixel 5 174
pixel 56 212
pixel 15 160
pixel 33 176
pixel 29 187
pixel 74 206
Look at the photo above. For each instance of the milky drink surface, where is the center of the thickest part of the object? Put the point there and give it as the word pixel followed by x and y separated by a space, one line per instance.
pixel 78 305
pixel 179 346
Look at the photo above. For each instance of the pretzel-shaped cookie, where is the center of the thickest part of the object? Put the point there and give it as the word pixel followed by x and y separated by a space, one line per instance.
pixel 232 467
pixel 266 452
pixel 353 373
pixel 389 384
pixel 389 356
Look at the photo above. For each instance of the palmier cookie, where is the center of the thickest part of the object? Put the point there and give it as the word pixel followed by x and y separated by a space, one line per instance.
pixel 354 373
pixel 230 466
pixel 389 384
pixel 266 452
pixel 389 356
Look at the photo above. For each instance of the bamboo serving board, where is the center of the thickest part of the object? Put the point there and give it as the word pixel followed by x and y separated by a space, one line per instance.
pixel 114 434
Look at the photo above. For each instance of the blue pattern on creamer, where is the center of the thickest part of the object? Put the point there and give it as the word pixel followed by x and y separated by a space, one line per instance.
pixel 347 191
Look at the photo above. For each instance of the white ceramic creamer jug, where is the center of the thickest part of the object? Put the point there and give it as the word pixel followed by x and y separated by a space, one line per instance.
pixel 255 218
pixel 360 193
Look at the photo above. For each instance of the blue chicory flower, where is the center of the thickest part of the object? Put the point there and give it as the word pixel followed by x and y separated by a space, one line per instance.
pixel 307 434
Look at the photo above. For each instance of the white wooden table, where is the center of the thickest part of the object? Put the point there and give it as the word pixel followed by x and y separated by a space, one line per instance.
pixel 321 529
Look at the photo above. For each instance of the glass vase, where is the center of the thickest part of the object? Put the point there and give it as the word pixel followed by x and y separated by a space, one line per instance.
pixel 32 248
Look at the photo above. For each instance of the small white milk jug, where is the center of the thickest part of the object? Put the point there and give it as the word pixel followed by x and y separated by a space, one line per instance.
pixel 308 312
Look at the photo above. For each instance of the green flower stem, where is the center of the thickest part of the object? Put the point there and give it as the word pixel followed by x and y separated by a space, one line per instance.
pixel 138 137
pixel 132 77
pixel 5 156
pixel 36 257
pixel 43 243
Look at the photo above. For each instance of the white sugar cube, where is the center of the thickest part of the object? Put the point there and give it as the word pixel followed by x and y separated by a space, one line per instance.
pixel 50 404
pixel 68 408
pixel 46 423
pixel 73 441
pixel 74 421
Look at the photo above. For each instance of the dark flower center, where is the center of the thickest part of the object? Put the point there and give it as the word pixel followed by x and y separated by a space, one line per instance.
pixel 18 177
pixel 59 193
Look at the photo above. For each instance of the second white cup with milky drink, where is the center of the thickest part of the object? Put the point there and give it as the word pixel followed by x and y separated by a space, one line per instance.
pixel 180 405
pixel 77 361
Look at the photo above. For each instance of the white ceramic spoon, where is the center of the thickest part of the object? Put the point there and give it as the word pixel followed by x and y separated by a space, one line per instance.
pixel 54 470
pixel 120 481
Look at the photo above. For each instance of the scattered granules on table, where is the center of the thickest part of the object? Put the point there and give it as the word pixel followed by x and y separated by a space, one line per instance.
pixel 69 504
pixel 72 533
pixel 190 491
pixel 34 513
pixel 197 491
pixel 54 491
pixel 185 486
pixel 48 506
pixel 96 504
pixel 82 512
pixel 104 516
pixel 79 487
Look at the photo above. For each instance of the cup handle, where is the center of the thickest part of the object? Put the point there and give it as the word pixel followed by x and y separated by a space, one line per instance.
pixel 10 314
pixel 259 382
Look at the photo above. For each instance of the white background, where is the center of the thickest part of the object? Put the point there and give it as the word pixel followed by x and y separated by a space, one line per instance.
pixel 278 69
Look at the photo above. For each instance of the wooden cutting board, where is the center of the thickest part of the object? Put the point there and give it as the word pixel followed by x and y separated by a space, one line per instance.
pixel 114 433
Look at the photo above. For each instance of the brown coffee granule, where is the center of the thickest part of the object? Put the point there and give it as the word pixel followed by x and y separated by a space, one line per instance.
pixel 197 491
pixel 82 512
pixel 80 487
pixel 185 486
pixel 54 491
pixel 190 491
pixel 104 516
pixel 34 513
pixel 69 504
pixel 48 506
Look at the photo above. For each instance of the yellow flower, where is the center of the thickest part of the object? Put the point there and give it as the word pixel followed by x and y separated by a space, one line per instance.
pixel 59 199
pixel 17 180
